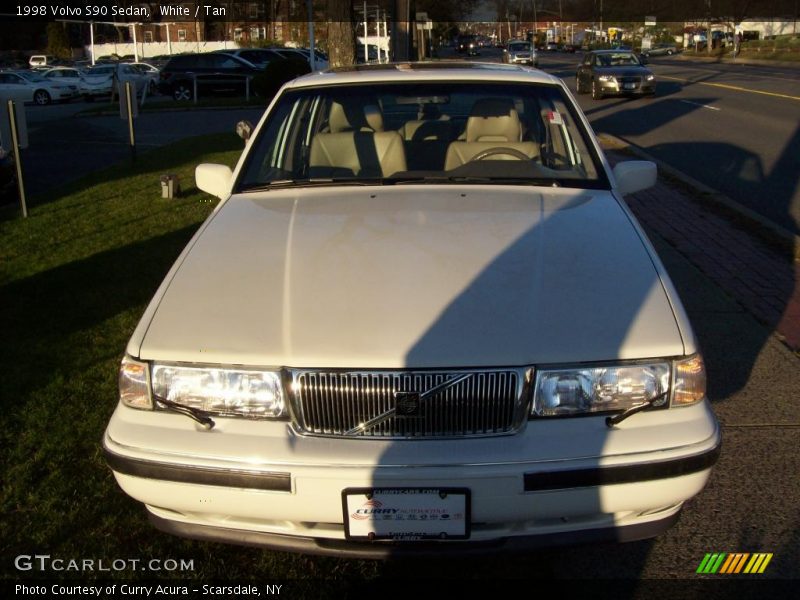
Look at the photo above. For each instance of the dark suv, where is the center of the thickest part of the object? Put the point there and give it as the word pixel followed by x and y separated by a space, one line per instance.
pixel 467 44
pixel 216 73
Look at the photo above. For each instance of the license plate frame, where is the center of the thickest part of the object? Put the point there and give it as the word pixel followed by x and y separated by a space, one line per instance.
pixel 413 513
pixel 628 86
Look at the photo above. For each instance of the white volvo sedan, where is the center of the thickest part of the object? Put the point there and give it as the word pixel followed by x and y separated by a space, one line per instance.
pixel 421 319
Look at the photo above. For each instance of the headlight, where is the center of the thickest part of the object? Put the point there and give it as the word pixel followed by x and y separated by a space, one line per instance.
pixel 221 391
pixel 578 390
pixel 599 389
pixel 650 77
pixel 606 78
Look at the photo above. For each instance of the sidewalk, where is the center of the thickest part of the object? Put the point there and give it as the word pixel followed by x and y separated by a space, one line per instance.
pixel 764 280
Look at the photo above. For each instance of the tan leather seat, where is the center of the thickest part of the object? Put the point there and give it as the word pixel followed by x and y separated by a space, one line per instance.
pixel 355 145
pixel 426 139
pixel 493 123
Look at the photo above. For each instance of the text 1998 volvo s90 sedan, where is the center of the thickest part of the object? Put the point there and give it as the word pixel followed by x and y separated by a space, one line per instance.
pixel 420 319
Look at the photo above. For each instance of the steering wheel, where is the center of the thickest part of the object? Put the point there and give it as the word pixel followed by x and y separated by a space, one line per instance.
pixel 519 155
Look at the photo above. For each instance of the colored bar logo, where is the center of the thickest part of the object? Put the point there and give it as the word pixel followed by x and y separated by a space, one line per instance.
pixel 734 563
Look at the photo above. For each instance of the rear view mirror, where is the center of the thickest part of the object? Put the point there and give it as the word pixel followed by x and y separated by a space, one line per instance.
pixel 635 175
pixel 214 179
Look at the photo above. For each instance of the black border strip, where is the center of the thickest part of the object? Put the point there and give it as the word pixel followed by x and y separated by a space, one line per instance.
pixel 256 480
pixel 556 480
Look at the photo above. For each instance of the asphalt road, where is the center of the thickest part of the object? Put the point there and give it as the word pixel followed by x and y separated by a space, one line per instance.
pixel 735 128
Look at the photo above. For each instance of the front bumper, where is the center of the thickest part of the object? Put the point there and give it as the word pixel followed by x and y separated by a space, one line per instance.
pixel 522 60
pixel 557 481
pixel 614 88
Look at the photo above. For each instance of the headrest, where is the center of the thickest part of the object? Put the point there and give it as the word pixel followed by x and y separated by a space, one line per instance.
pixel 374 117
pixel 428 111
pixel 493 120
pixel 337 119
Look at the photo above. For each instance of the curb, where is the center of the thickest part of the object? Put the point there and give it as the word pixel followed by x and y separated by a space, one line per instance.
pixel 759 225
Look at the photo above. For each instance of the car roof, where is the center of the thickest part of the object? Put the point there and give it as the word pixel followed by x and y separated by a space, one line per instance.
pixel 425 71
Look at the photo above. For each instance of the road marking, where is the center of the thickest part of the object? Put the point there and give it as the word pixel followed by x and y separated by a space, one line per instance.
pixel 744 70
pixel 732 87
pixel 701 105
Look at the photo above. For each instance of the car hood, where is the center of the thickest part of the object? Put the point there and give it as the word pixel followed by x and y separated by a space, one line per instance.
pixel 410 276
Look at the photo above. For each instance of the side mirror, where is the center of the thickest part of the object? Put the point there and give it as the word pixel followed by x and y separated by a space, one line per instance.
pixel 635 175
pixel 214 179
pixel 643 59
pixel 244 129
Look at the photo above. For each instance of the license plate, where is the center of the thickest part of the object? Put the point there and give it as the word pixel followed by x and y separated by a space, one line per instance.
pixel 629 86
pixel 406 514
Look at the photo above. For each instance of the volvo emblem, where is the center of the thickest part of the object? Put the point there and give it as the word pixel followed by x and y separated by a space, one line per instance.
pixel 406 404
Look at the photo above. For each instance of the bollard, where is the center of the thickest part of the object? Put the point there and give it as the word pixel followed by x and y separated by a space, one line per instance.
pixel 170 186
pixel 12 117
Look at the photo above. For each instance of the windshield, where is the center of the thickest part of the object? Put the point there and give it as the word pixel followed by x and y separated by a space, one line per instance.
pixel 32 77
pixel 519 47
pixel 618 59
pixel 432 132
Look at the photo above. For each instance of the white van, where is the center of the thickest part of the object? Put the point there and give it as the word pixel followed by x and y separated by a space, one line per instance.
pixel 42 60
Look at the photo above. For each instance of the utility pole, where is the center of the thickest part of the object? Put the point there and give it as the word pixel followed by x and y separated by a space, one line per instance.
pixel 400 31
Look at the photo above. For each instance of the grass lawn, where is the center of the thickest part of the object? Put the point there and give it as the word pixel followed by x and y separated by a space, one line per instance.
pixel 74 279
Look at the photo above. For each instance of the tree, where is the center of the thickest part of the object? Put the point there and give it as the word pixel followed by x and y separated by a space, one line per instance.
pixel 341 33
pixel 58 41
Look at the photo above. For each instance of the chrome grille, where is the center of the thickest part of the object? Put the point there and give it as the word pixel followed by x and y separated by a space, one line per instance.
pixel 336 403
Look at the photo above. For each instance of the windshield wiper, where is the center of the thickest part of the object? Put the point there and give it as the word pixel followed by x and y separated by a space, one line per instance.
pixel 472 179
pixel 654 401
pixel 200 416
pixel 287 183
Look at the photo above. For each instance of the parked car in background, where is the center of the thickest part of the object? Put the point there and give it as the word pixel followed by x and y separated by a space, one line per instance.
pixel 42 60
pixel 421 320
pixel 661 49
pixel 65 75
pixel 216 73
pixel 151 73
pixel 37 89
pixel 320 58
pixel 520 52
pixel 614 73
pixel 551 47
pixel 260 57
pixel 99 80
